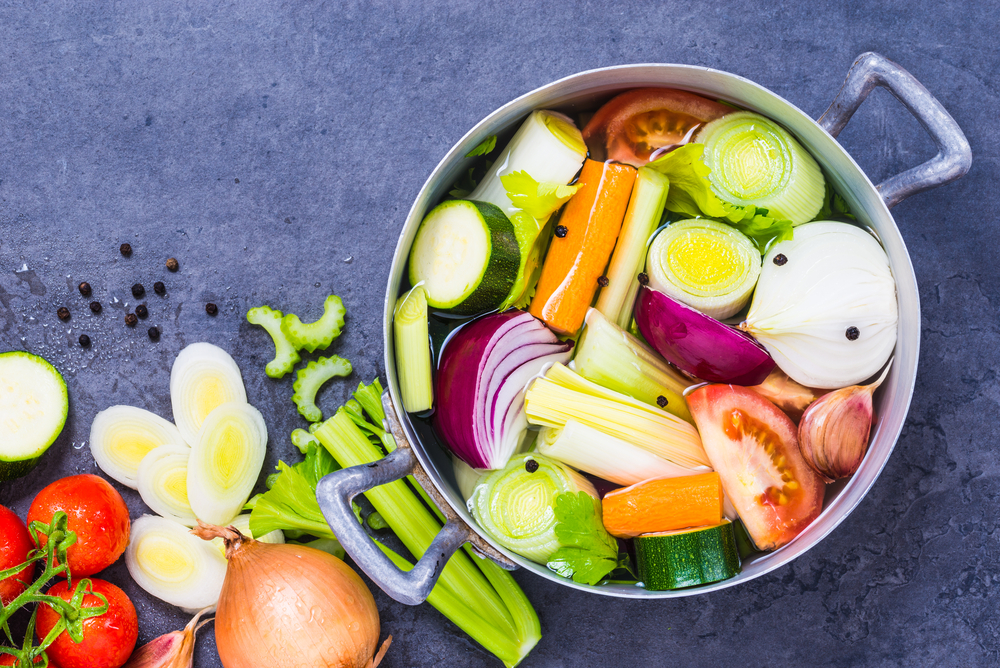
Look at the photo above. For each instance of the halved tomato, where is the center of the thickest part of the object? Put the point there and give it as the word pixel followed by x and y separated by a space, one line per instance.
pixel 630 127
pixel 754 448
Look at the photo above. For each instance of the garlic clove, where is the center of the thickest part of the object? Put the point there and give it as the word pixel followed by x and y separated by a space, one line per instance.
pixel 173 650
pixel 791 397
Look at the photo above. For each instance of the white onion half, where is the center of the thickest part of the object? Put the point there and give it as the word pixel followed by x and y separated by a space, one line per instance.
pixel 203 377
pixel 163 483
pixel 121 436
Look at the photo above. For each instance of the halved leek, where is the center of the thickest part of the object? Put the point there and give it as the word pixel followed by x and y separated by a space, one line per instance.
pixel 613 358
pixel 226 461
pixel 562 395
pixel 242 524
pixel 121 436
pixel 166 560
pixel 163 483
pixel 756 161
pixel 413 351
pixel 203 377
pixel 708 265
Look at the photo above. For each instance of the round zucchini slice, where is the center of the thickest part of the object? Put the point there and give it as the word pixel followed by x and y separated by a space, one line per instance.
pixel 33 408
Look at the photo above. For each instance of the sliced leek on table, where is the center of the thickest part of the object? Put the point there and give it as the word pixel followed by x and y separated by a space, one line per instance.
pixel 203 377
pixel 121 436
pixel 163 483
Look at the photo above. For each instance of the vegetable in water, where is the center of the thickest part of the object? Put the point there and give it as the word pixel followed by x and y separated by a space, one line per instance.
pixel 586 553
pixel 309 379
pixel 413 352
pixel 33 409
pixel 285 354
pixel 122 436
pixel 687 557
pixel 163 483
pixel 786 394
pixel 664 504
pixel 538 200
pixel 202 378
pixel 828 314
pixel 319 334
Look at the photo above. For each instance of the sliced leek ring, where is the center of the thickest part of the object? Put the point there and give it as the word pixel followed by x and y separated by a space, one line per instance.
pixel 121 436
pixel 203 377
pixel 226 461
pixel 166 560
pixel 710 266
pixel 242 524
pixel 163 483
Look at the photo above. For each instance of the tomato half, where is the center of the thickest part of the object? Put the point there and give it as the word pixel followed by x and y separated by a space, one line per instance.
pixel 755 450
pixel 96 512
pixel 630 127
pixel 108 639
pixel 15 543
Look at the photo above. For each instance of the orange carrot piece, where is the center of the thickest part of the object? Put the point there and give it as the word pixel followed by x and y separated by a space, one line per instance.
pixel 664 504
pixel 574 262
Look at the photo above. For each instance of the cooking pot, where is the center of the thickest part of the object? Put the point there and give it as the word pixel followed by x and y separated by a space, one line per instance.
pixel 419 454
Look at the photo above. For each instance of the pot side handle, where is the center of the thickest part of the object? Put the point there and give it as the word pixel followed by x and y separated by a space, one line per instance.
pixel 954 155
pixel 336 491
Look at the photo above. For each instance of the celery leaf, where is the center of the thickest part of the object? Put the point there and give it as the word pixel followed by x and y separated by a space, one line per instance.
pixel 485 147
pixel 539 200
pixel 464 185
pixel 587 552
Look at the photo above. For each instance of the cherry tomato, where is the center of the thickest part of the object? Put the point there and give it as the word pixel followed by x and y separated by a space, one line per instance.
pixel 15 543
pixel 755 450
pixel 8 660
pixel 108 640
pixel 632 126
pixel 96 512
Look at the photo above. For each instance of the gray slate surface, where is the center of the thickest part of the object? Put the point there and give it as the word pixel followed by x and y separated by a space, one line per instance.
pixel 274 150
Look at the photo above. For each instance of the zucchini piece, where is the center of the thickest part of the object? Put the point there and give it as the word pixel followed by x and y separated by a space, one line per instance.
pixel 687 558
pixel 319 334
pixel 465 256
pixel 33 408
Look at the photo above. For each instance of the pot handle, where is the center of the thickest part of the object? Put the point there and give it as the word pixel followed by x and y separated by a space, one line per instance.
pixel 336 490
pixel 954 155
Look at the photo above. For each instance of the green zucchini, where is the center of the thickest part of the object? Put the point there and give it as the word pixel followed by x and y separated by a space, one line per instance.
pixel 687 558
pixel 465 256
pixel 33 409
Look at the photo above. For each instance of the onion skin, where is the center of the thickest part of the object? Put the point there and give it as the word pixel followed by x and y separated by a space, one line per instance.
pixel 833 432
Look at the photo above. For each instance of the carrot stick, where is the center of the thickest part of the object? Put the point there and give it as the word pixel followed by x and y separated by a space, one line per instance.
pixel 574 262
pixel 664 504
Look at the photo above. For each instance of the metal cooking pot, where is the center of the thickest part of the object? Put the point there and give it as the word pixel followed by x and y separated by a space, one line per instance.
pixel 417 453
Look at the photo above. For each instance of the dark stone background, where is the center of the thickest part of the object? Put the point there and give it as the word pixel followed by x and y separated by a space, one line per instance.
pixel 274 150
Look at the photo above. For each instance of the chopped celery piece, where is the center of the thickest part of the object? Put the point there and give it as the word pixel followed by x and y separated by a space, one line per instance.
pixel 285 354
pixel 645 208
pixel 310 379
pixel 319 334
pixel 377 522
pixel 617 360
pixel 303 440
pixel 413 351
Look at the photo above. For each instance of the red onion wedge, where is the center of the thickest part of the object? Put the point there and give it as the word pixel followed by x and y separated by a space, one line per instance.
pixel 480 384
pixel 700 345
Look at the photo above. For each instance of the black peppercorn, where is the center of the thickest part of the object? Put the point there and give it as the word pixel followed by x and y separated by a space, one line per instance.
pixel 172 264
pixel 159 288
pixel 154 334
pixel 130 319
pixel 643 278
pixel 603 281
pixel 530 465
pixel 780 260
pixel 63 313
pixel 85 289
pixel 561 231
pixel 141 311
pixel 661 401
pixel 211 308
pixel 853 333
pixel 95 307
pixel 126 250
pixel 84 340
pixel 138 291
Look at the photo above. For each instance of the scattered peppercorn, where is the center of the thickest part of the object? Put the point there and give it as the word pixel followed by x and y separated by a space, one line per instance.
pixel 154 334
pixel 85 289
pixel 603 281
pixel 853 333
pixel 95 307
pixel 643 278
pixel 530 465
pixel 126 250
pixel 780 259
pixel 211 308
pixel 661 401
pixel 159 288
pixel 84 340
pixel 130 319
pixel 172 264
pixel 141 311
pixel 63 313
pixel 561 231
pixel 138 291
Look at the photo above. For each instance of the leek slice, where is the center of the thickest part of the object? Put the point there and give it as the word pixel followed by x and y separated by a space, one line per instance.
pixel 226 461
pixel 203 377
pixel 413 351
pixel 170 563
pixel 242 524
pixel 163 483
pixel 515 504
pixel 705 264
pixel 613 358
pixel 121 436
pixel 755 161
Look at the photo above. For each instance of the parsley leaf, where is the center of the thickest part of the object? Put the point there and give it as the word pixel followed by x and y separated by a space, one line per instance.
pixel 464 185
pixel 485 146
pixel 587 551
pixel 539 200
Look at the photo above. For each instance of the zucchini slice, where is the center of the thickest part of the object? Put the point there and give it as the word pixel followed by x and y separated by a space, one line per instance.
pixel 33 408
pixel 465 256
pixel 687 558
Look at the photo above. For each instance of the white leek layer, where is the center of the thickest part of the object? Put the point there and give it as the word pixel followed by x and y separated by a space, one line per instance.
pixel 163 483
pixel 466 477
pixel 121 436
pixel 203 377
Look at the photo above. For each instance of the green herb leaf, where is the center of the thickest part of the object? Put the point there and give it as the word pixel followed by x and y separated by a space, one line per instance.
pixel 588 552
pixel 539 200
pixel 485 146
pixel 464 185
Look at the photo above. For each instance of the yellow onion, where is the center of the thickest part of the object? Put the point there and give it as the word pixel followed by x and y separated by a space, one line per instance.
pixel 289 606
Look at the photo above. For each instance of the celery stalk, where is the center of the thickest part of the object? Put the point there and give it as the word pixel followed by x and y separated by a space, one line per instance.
pixel 413 352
